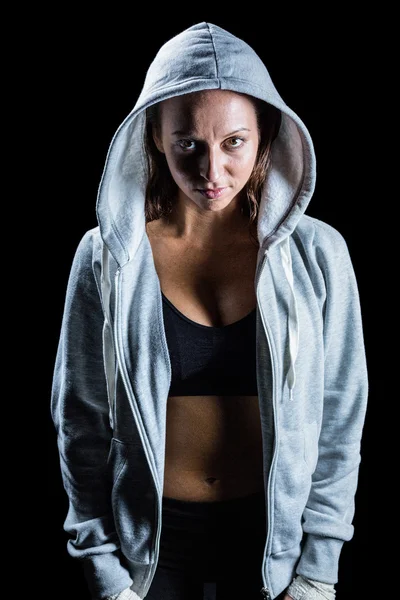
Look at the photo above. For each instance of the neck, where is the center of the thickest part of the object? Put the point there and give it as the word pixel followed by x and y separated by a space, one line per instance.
pixel 204 228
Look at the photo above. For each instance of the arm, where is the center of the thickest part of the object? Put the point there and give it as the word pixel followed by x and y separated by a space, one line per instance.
pixel 327 518
pixel 80 412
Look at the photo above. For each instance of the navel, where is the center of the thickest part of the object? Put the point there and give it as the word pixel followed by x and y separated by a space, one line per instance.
pixel 211 480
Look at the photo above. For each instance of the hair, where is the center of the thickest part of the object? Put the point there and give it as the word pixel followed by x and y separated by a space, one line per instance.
pixel 161 188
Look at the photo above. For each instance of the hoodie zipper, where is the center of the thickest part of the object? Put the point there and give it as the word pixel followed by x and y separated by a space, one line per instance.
pixel 125 378
pixel 265 590
pixel 156 539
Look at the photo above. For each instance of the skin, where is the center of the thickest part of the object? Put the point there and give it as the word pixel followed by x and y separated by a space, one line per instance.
pixel 207 154
pixel 206 264
pixel 206 240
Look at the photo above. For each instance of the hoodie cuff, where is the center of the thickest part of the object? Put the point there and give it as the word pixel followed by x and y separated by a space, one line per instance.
pixel 105 574
pixel 319 559
pixel 127 594
pixel 302 588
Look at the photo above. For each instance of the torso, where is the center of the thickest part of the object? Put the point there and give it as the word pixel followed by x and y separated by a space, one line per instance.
pixel 213 443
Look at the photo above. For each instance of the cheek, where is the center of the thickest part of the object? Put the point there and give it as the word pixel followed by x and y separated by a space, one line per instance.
pixel 180 166
pixel 243 166
pixel 252 161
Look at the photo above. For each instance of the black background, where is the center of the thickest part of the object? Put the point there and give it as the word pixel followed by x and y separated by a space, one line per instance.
pixel 96 70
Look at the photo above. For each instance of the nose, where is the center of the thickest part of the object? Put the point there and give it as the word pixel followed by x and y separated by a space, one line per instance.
pixel 211 164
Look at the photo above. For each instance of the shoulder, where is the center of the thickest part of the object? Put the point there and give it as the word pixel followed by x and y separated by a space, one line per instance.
pixel 321 230
pixel 324 250
pixel 89 247
pixel 320 236
pixel 90 241
pixel 87 254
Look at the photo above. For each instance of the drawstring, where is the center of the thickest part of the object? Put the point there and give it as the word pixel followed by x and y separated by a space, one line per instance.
pixel 292 317
pixel 108 344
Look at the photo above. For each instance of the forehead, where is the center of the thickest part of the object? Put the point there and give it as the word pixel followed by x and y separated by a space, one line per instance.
pixel 207 107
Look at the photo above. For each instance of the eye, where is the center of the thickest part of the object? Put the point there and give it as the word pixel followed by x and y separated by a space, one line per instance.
pixel 186 144
pixel 235 142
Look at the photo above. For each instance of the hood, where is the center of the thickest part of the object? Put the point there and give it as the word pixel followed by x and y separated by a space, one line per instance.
pixel 205 56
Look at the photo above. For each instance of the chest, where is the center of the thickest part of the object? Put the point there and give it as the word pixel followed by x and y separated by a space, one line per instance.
pixel 213 286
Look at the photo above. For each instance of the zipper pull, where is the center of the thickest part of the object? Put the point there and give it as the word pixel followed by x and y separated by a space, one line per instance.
pixel 265 593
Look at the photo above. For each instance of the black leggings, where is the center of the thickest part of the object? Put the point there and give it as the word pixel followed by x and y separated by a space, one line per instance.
pixel 211 550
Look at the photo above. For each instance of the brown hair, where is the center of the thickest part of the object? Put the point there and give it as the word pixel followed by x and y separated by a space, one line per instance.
pixel 161 188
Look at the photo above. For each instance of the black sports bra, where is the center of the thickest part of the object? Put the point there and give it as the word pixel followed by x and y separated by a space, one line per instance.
pixel 209 360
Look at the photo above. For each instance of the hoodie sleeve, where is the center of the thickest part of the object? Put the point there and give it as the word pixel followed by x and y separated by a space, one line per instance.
pixel 80 412
pixel 330 508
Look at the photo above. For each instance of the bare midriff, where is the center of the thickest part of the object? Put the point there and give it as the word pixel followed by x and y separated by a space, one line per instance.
pixel 213 445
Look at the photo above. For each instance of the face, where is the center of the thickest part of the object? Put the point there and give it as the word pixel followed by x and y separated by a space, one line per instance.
pixel 210 141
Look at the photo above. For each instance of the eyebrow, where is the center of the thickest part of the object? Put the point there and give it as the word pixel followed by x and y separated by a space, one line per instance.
pixel 192 133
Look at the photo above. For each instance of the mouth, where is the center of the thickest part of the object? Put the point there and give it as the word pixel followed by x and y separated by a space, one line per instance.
pixel 212 194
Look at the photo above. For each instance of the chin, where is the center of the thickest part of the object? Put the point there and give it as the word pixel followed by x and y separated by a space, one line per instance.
pixel 215 204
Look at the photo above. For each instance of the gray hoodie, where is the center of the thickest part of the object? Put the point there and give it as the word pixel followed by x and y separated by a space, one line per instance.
pixel 112 370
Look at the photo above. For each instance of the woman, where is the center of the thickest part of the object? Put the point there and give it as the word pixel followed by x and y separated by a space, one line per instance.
pixel 210 385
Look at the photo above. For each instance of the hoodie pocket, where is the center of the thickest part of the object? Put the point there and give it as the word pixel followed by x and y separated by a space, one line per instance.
pixel 133 500
pixel 311 445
